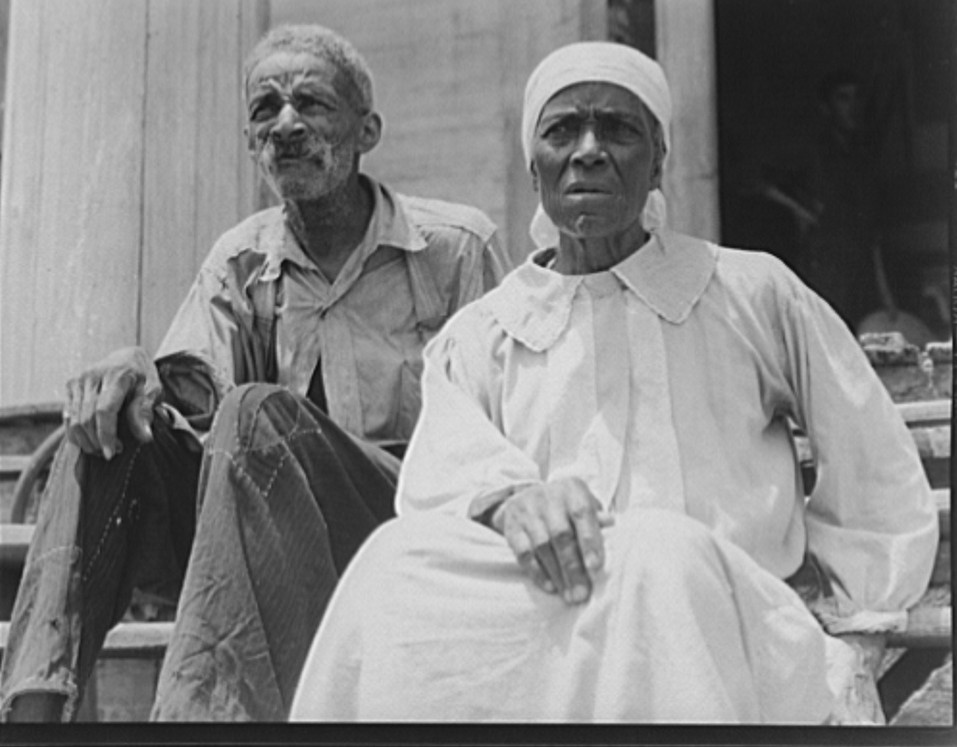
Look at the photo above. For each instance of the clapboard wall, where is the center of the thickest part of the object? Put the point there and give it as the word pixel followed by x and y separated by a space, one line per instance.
pixel 121 164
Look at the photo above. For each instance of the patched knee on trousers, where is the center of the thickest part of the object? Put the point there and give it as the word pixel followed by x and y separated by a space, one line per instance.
pixel 255 417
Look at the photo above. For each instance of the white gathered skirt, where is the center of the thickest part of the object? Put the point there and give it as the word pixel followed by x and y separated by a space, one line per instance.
pixel 434 621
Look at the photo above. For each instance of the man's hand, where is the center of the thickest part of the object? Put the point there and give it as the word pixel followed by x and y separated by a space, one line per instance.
pixel 126 379
pixel 555 532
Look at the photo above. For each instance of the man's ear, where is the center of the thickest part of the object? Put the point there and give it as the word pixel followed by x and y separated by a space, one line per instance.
pixel 250 141
pixel 534 171
pixel 370 132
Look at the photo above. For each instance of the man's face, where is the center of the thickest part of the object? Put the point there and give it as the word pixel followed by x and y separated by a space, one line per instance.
pixel 595 157
pixel 845 105
pixel 303 128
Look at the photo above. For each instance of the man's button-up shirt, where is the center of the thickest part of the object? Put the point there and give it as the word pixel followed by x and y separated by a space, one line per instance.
pixel 260 310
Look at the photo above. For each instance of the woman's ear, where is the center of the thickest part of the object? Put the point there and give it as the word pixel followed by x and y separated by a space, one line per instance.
pixel 534 177
pixel 658 167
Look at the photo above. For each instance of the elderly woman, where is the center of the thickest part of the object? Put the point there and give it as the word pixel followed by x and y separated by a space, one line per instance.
pixel 601 504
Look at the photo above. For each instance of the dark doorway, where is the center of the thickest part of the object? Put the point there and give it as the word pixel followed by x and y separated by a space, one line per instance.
pixel 836 206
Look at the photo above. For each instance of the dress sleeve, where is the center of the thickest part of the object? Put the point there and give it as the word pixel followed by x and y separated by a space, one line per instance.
pixel 871 519
pixel 458 459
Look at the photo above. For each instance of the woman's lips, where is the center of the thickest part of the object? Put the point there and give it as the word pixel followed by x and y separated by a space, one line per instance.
pixel 588 189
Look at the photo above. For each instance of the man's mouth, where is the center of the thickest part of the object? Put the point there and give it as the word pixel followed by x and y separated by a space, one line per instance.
pixel 289 153
pixel 287 156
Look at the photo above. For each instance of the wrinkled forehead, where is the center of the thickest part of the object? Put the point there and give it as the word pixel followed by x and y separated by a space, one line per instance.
pixel 597 96
pixel 596 62
pixel 289 67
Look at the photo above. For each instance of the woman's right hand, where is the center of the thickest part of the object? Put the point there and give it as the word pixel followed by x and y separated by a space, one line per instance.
pixel 554 529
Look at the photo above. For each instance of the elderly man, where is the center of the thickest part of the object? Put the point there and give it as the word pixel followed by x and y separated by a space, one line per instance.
pixel 601 504
pixel 330 299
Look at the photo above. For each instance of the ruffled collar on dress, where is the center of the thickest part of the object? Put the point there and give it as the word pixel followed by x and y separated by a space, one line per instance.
pixel 669 274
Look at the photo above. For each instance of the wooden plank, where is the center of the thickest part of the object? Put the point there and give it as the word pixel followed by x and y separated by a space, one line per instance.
pixel 126 640
pixel 138 639
pixel 70 206
pixel 941 572
pixel 4 44
pixel 929 627
pixel 25 81
pixel 14 543
pixel 12 465
pixel 929 622
pixel 942 501
pixel 930 411
pixel 198 179
pixel 529 31
pixel 125 689
pixel 32 412
pixel 686 50
pixel 933 441
pixel 24 428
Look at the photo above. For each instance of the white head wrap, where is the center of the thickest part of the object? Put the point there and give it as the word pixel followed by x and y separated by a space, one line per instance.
pixel 604 62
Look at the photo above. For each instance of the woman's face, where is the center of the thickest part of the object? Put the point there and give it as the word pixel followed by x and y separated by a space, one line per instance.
pixel 596 159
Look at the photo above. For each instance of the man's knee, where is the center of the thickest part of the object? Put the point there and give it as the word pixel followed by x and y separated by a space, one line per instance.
pixel 256 416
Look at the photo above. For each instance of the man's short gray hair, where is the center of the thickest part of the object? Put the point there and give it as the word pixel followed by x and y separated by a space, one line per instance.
pixel 324 44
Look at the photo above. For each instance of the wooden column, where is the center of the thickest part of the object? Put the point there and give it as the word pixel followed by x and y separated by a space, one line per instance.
pixel 70 219
pixel 686 50
pixel 198 179
pixel 122 160
pixel 526 42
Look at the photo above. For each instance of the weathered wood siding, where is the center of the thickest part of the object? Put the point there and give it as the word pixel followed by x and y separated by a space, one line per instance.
pixel 122 161
pixel 198 179
pixel 70 223
pixel 686 50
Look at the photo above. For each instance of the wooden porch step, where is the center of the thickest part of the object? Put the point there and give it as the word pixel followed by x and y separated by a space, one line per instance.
pixel 930 411
pixel 929 623
pixel 127 640
pixel 15 539
pixel 11 465
pixel 14 542
pixel 942 501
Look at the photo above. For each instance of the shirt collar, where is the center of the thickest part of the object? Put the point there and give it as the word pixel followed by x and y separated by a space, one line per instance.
pixel 389 226
pixel 668 274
